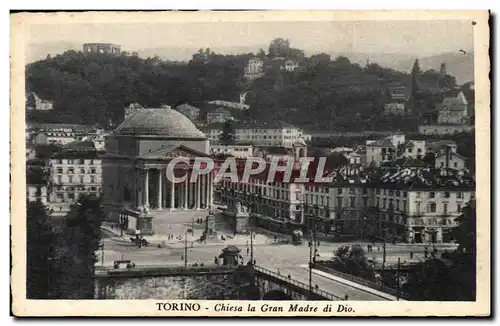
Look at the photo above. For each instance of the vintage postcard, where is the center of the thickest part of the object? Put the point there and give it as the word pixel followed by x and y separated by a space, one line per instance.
pixel 274 163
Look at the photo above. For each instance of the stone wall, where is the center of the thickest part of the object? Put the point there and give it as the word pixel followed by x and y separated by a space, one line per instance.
pixel 235 286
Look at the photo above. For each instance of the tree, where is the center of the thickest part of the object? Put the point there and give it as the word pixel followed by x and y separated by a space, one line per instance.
pixel 416 68
pixel 279 47
pixel 262 54
pixel 40 245
pixel 465 232
pixel 227 136
pixel 80 241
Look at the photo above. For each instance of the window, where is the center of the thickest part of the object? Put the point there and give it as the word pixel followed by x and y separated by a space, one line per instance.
pixel 82 170
pixel 405 194
pixel 378 191
pixel 71 196
pixel 378 202
pixel 339 202
pixel 92 179
pixel 398 193
pixel 317 200
pixel 418 194
pixel 92 170
pixel 385 203
pixel 297 195
pixel 432 207
pixel 59 179
pixel 365 202
pixel 446 194
pixel 404 205
pixel 59 170
pixel 351 191
pixel 397 204
pixel 322 201
pixel 70 179
pixel 418 208
pixel 459 195
pixel 459 208
pixel 339 191
pixel 445 208
pixel 365 191
pixel 441 164
pixel 60 196
pixel 70 161
pixel 455 165
pixel 432 194
pixel 353 202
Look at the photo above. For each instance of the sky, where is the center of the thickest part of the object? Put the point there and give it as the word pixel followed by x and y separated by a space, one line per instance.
pixel 421 37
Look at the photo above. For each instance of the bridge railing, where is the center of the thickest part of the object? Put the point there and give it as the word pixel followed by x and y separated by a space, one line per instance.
pixel 299 284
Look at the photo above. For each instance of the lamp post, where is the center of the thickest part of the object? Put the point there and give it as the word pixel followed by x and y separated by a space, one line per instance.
pixel 185 249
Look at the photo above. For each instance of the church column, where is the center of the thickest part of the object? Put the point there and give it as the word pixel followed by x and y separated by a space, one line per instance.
pixel 172 195
pixel 186 190
pixel 207 189
pixel 160 189
pixel 198 181
pixel 210 191
pixel 146 188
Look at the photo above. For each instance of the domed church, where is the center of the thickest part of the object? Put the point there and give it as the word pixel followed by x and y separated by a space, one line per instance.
pixel 135 183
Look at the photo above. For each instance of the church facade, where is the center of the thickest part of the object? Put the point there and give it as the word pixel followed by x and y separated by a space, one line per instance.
pixel 135 181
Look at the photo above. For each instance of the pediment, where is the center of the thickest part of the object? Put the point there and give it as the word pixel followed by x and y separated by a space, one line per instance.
pixel 173 152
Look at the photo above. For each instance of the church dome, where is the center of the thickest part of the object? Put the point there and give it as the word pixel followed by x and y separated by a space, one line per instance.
pixel 164 122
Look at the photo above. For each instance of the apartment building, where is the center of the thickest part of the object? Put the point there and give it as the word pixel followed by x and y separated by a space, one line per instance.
pixel 412 205
pixel 74 171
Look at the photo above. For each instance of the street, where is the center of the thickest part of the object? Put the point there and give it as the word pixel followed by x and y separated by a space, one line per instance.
pixel 286 259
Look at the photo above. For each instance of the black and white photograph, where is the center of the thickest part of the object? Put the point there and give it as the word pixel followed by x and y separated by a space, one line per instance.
pixel 263 167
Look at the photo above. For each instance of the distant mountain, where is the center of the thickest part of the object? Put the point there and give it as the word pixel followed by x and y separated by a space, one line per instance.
pixel 457 64
pixel 35 52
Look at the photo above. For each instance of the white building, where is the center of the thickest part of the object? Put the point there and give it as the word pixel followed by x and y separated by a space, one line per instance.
pixel 254 68
pixel 451 161
pixel 189 111
pixel 75 170
pixel 276 133
pixel 415 149
pixel 37 193
pixel 291 65
pixel 35 103
pixel 238 151
pixel 394 108
pixel 454 108
pixel 219 115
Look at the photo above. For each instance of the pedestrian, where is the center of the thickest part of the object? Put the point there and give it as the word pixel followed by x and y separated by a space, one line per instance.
pixel 411 255
pixel 275 238
pixel 216 261
pixel 318 243
pixel 346 297
pixel 182 257
pixel 248 249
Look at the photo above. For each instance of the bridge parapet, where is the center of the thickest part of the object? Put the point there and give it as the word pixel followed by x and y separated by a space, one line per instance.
pixel 271 281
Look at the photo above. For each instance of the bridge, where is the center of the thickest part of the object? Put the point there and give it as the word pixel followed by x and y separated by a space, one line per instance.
pixel 202 282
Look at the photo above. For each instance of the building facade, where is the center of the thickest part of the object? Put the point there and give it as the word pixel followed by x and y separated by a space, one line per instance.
pixel 254 68
pixel 189 111
pixel 135 181
pixel 454 108
pixel 238 151
pixel 74 171
pixel 102 48
pixel 219 115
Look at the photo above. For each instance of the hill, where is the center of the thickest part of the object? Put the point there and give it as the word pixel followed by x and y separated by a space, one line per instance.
pixel 322 93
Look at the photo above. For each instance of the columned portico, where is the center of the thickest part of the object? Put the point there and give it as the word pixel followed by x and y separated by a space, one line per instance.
pixel 159 193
